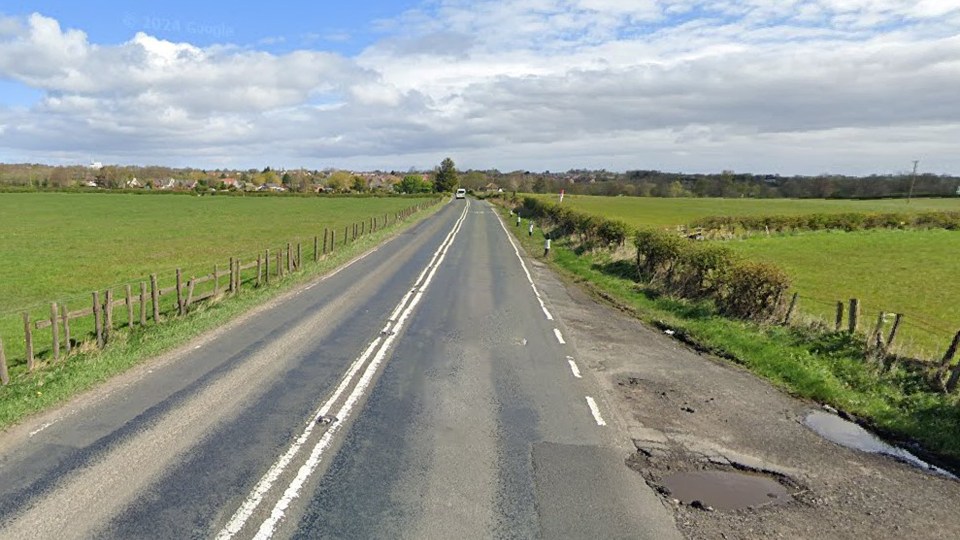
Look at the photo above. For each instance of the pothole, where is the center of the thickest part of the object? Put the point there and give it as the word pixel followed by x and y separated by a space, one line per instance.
pixel 848 434
pixel 725 490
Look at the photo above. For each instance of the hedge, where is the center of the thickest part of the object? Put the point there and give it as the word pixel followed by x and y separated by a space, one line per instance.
pixel 849 221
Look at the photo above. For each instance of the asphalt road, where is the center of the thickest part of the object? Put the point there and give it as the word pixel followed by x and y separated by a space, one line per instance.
pixel 452 406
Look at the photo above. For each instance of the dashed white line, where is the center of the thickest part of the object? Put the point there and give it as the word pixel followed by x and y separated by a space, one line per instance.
pixel 596 411
pixel 573 367
pixel 525 271
pixel 380 345
pixel 556 332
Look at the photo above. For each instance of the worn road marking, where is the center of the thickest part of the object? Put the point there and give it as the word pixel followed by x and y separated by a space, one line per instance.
pixel 524 266
pixel 380 345
pixel 596 411
pixel 573 367
pixel 556 332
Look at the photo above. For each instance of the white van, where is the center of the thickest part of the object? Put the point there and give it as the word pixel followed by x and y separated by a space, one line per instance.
pixel 461 193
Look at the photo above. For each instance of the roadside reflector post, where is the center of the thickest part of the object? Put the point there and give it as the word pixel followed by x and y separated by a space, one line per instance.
pixel 546 248
pixel 531 228
pixel 518 220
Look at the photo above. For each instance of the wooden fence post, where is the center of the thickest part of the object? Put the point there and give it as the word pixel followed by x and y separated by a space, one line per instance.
pixel 28 340
pixel 66 328
pixel 280 263
pixel 333 240
pixel 948 358
pixel 839 324
pixel 266 267
pixel 854 315
pixel 324 240
pixel 55 330
pixel 129 292
pixel 107 315
pixel 216 280
pixel 786 318
pixel 4 376
pixel 155 298
pixel 259 270
pixel 316 249
pixel 237 276
pixel 190 285
pixel 180 306
pixel 230 288
pixel 98 318
pixel 893 331
pixel 299 264
pixel 346 234
pixel 143 304
pixel 288 258
pixel 363 226
pixel 875 339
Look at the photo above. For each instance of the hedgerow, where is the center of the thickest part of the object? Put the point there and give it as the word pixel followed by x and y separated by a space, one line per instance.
pixel 849 221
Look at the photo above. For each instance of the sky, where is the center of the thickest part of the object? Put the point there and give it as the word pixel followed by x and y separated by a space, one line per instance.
pixel 761 86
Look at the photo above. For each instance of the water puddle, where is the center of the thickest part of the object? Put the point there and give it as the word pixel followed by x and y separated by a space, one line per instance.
pixel 724 490
pixel 846 433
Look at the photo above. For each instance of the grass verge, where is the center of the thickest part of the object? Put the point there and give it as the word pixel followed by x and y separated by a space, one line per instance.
pixel 54 383
pixel 827 368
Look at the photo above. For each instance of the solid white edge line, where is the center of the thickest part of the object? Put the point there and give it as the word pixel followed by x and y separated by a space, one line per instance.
pixel 246 510
pixel 596 411
pixel 556 332
pixel 574 368
pixel 523 265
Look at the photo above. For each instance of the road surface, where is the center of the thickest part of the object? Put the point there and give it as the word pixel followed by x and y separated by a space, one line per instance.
pixel 450 405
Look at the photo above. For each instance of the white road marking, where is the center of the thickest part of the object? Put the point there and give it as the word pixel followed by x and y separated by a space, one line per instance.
pixel 380 345
pixel 556 332
pixel 573 367
pixel 525 271
pixel 596 411
pixel 41 428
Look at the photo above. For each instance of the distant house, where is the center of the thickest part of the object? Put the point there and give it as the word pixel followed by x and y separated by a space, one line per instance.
pixel 231 182
pixel 490 187
pixel 272 187
pixel 89 183
pixel 169 183
pixel 134 183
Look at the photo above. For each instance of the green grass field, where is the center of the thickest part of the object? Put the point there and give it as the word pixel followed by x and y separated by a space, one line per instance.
pixel 656 212
pixel 61 246
pixel 909 272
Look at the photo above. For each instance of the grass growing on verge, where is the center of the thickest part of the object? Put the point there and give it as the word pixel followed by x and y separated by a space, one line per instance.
pixel 826 368
pixel 55 383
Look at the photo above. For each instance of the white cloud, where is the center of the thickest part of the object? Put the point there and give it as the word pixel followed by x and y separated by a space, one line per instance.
pixel 762 85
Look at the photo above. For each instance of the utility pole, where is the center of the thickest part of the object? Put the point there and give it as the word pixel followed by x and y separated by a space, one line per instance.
pixel 913 180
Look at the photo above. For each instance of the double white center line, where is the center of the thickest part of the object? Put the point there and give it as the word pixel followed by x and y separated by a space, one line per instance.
pixel 378 349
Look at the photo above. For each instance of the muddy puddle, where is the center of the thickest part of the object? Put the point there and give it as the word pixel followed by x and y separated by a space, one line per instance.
pixel 848 434
pixel 725 490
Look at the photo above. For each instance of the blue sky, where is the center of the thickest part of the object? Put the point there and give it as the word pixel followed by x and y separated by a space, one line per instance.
pixel 799 86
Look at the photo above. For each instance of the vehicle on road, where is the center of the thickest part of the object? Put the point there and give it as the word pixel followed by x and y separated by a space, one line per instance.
pixel 461 193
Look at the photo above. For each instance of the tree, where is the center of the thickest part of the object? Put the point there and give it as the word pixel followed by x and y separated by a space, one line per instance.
pixel 446 178
pixel 337 180
pixel 414 183
pixel 359 184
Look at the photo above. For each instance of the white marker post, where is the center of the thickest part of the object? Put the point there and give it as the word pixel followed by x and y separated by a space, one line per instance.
pixel 518 220
pixel 531 228
pixel 546 248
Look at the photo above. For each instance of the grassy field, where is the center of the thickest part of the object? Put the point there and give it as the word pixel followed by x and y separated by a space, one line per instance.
pixel 656 212
pixel 61 246
pixel 909 272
